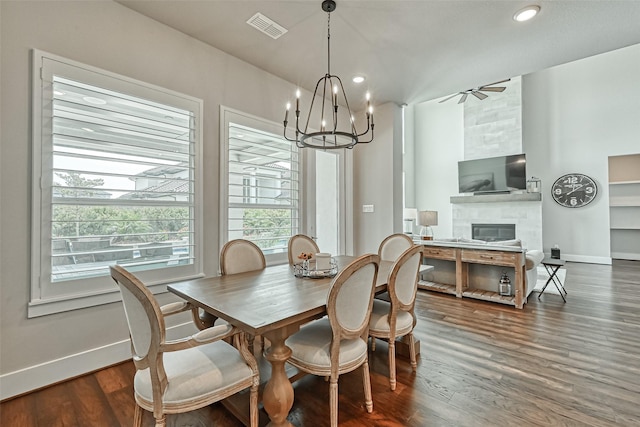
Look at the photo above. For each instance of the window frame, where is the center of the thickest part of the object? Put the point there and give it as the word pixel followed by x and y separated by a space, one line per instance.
pixel 229 115
pixel 47 297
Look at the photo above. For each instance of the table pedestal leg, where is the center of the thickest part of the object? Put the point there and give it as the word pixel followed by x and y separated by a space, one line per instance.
pixel 277 397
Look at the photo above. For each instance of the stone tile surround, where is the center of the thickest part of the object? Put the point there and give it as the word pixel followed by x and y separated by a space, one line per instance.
pixel 523 210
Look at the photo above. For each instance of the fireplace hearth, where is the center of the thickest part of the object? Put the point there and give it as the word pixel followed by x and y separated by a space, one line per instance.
pixel 493 232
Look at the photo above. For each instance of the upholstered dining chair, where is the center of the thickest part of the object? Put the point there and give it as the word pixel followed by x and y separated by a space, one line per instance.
pixel 393 246
pixel 396 318
pixel 239 256
pixel 185 374
pixel 389 250
pixel 236 256
pixel 298 244
pixel 337 343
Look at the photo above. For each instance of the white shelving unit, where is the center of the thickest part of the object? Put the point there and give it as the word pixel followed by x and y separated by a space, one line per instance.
pixel 624 206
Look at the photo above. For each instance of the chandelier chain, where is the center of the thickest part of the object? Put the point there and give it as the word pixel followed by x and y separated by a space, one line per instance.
pixel 331 90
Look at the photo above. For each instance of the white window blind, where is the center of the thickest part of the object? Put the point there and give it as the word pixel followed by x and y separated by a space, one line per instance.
pixel 263 188
pixel 118 172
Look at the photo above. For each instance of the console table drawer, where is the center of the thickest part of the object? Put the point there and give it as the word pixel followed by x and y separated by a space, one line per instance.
pixel 439 253
pixel 489 257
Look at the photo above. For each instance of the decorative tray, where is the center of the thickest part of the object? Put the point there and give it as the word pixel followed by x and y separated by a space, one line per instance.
pixel 308 269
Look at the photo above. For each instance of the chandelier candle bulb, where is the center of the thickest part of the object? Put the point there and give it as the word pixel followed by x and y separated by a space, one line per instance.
pixel 329 89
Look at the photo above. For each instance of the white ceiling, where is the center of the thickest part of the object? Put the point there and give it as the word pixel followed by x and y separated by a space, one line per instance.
pixel 410 51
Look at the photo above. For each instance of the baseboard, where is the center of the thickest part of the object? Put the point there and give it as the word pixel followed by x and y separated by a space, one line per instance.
pixel 38 376
pixel 626 255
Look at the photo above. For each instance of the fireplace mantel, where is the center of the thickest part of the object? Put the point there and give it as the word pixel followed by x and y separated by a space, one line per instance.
pixel 497 198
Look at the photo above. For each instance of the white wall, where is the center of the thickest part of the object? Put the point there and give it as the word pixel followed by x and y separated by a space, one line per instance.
pixel 573 117
pixel 104 34
pixel 378 181
pixel 438 146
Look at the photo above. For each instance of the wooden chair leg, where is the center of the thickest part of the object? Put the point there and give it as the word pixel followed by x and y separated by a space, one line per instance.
pixel 373 343
pixel 253 406
pixel 162 421
pixel 392 363
pixel 333 401
pixel 137 416
pixel 366 383
pixel 412 352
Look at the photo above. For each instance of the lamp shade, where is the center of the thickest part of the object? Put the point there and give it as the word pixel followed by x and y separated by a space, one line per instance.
pixel 410 213
pixel 427 218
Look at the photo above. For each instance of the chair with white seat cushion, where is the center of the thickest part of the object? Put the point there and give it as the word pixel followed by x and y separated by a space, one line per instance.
pixel 389 250
pixel 236 256
pixel 396 318
pixel 185 374
pixel 239 256
pixel 337 344
pixel 301 244
pixel 393 246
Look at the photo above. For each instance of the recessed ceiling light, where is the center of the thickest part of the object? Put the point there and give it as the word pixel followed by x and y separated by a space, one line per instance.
pixel 358 79
pixel 59 92
pixel 526 13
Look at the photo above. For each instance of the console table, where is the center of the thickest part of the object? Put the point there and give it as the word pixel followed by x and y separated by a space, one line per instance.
pixel 464 254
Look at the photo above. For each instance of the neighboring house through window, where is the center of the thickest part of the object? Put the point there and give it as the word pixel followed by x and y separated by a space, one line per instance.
pixel 116 167
pixel 263 197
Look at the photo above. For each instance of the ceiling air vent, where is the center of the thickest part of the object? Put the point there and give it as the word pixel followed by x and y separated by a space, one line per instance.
pixel 266 25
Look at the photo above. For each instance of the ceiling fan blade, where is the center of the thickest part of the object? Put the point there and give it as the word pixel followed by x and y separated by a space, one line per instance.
pixel 492 89
pixel 449 97
pixel 479 95
pixel 463 98
pixel 497 83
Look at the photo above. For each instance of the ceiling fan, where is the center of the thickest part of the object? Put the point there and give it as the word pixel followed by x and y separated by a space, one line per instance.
pixel 477 92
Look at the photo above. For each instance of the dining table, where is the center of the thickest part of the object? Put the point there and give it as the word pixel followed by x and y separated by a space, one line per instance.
pixel 273 303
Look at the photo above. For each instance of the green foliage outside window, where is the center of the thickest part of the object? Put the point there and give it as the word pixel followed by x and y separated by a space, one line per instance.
pixel 268 228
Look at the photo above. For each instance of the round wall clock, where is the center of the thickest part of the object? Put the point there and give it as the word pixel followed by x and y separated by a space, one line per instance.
pixel 574 190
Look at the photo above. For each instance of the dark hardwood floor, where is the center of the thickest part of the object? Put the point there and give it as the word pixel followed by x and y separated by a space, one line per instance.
pixel 482 364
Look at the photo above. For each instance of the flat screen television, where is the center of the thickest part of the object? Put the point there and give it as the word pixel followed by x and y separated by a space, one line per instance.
pixel 492 175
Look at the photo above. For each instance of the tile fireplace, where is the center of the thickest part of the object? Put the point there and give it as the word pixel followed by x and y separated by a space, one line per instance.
pixel 493 232
pixel 521 211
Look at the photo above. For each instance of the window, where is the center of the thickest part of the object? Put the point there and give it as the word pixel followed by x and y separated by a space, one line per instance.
pixel 116 167
pixel 262 184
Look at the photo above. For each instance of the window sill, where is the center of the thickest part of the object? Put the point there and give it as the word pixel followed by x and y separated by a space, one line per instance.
pixel 45 307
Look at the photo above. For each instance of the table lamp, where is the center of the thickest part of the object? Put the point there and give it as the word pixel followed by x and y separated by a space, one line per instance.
pixel 425 220
pixel 409 218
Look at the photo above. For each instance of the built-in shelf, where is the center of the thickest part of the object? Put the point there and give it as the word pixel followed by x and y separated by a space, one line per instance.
pixel 621 202
pixel 624 182
pixel 497 198
pixel 624 206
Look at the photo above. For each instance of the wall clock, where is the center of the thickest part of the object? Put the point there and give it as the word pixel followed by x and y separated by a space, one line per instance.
pixel 574 190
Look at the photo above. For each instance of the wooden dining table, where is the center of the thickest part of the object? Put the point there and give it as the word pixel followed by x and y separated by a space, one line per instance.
pixel 274 303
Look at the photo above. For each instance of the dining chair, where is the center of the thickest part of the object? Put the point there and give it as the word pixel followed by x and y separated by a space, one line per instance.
pixel 337 343
pixel 298 244
pixel 393 246
pixel 182 375
pixel 396 318
pixel 240 256
pixel 389 250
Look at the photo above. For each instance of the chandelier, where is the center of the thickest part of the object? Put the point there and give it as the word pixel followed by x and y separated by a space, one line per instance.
pixel 329 91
